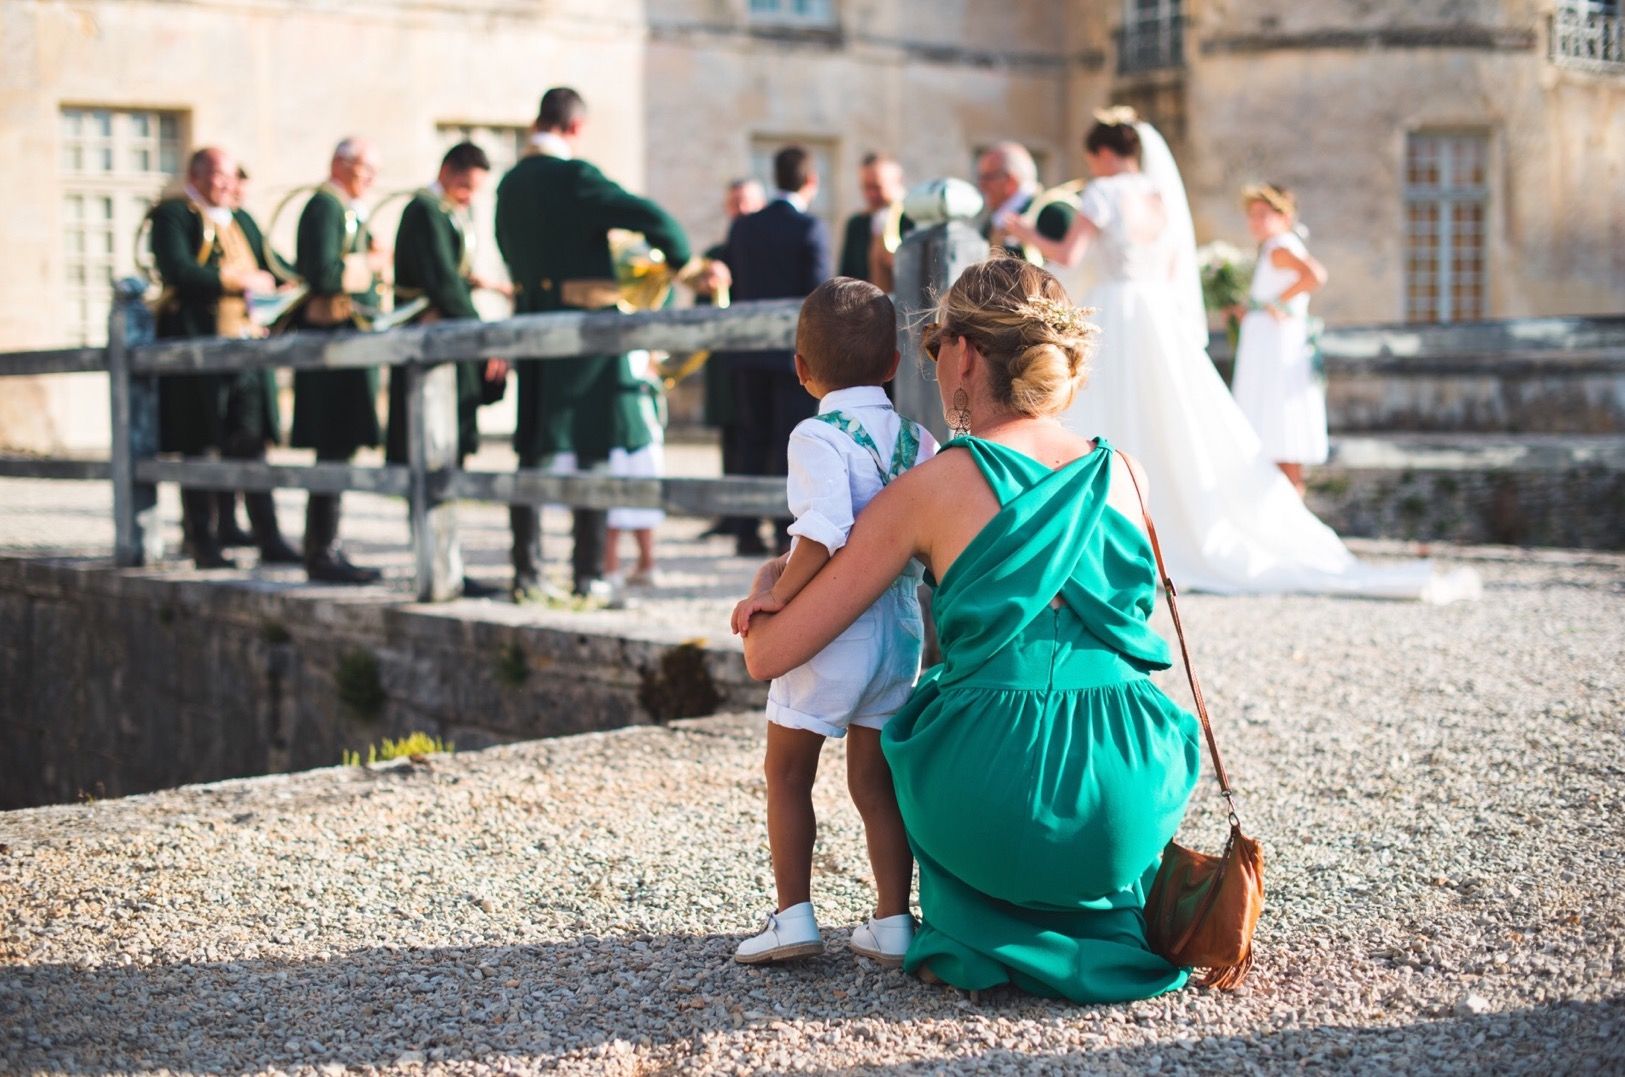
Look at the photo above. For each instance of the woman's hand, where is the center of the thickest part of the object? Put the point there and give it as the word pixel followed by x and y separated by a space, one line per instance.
pixel 1011 224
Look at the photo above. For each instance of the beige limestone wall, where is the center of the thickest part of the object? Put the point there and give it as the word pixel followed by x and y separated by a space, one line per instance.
pixel 1332 125
pixel 928 82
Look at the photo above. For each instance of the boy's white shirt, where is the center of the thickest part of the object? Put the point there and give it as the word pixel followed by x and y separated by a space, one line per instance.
pixel 832 477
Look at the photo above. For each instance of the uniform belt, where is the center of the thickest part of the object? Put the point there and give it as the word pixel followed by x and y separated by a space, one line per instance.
pixel 589 293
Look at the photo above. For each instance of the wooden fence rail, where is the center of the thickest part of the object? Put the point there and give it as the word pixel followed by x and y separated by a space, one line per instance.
pixel 927 263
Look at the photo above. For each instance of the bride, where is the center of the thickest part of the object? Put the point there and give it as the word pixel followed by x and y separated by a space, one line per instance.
pixel 1229 522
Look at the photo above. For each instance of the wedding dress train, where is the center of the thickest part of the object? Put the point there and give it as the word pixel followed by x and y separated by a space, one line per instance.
pixel 1229 521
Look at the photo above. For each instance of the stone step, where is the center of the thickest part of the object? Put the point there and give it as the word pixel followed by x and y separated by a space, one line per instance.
pixel 1531 490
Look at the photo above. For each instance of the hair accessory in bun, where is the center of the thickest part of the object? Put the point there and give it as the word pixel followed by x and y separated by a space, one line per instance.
pixel 1117 116
pixel 1059 317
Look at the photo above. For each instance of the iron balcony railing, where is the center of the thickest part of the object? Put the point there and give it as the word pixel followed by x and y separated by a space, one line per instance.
pixel 1586 36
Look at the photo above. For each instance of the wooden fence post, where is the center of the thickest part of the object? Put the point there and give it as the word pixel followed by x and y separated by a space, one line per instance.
pixel 137 537
pixel 928 262
pixel 431 396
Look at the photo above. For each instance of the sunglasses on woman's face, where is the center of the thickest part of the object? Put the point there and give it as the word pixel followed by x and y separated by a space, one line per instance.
pixel 931 339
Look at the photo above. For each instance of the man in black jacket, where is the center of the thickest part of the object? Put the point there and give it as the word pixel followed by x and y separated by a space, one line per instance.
pixel 779 252
pixel 863 249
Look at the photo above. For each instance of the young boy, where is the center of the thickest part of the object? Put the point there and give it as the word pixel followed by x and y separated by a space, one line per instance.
pixel 846 350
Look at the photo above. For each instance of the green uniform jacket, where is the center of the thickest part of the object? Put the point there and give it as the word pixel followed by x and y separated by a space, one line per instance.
pixel 429 262
pixel 1054 222
pixel 334 411
pixel 855 244
pixel 199 412
pixel 553 216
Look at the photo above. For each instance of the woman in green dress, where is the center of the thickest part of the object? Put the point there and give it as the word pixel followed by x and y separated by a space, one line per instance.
pixel 1038 769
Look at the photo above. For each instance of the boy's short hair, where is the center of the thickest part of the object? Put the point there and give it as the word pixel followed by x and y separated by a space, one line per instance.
pixel 847 333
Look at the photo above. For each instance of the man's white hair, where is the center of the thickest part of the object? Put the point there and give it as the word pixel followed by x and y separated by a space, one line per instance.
pixel 350 149
pixel 1014 158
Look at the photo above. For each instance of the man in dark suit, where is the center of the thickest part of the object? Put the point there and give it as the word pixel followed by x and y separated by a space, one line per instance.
pixel 744 196
pixel 863 249
pixel 779 252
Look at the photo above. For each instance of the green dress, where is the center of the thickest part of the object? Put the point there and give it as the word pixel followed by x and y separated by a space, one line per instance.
pixel 1039 770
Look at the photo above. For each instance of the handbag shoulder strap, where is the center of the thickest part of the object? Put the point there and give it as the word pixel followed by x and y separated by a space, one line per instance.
pixel 1129 465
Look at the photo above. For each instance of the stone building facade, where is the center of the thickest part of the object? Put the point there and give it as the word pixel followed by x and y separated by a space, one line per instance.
pixel 1355 106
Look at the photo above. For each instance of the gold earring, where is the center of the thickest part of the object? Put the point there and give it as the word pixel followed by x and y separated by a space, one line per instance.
pixel 959 417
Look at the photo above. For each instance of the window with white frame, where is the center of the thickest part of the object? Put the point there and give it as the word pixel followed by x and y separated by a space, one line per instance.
pixel 1446 217
pixel 1152 35
pixel 114 163
pixel 794 12
pixel 822 151
pixel 503 144
pixel 1589 33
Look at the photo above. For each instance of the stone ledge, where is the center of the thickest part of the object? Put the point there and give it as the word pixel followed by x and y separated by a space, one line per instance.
pixel 121 681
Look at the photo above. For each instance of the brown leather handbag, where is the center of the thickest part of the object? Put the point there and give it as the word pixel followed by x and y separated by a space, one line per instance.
pixel 1202 909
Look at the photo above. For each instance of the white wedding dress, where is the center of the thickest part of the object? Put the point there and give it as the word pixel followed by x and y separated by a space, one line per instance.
pixel 1229 522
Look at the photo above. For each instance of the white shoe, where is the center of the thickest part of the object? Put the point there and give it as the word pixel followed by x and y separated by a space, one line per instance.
pixel 885 940
pixel 606 594
pixel 788 934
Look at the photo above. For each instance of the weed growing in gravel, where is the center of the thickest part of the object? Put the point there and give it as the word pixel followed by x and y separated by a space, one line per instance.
pixel 414 745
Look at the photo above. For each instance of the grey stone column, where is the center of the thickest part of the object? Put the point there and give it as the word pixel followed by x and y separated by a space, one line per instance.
pixel 137 537
pixel 928 262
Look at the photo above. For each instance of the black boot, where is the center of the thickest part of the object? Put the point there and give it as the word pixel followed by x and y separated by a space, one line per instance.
pixel 274 549
pixel 590 530
pixel 526 521
pixel 323 560
pixel 227 533
pixel 197 527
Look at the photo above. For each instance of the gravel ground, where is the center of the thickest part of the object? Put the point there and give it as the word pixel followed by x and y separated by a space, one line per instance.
pixel 1439 792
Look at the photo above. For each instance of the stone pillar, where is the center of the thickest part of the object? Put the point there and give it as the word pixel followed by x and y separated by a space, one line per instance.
pixel 137 537
pixel 431 447
pixel 928 262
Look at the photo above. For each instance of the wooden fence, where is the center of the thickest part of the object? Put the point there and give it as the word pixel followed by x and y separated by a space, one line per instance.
pixel 929 260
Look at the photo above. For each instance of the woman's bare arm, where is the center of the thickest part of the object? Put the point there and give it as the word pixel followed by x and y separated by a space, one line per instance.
pixel 1068 250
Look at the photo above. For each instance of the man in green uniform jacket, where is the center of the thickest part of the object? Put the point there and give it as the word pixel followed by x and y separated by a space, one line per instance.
pixel 881 179
pixel 334 411
pixel 209 258
pixel 553 215
pixel 1008 179
pixel 433 260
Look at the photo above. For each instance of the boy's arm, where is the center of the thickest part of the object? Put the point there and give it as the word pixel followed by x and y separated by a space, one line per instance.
pixel 806 558
pixel 820 499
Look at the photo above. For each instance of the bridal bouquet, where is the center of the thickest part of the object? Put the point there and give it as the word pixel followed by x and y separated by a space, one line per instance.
pixel 1227 273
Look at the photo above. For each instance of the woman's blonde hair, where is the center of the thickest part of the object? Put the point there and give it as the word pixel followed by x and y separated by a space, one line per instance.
pixel 1036 341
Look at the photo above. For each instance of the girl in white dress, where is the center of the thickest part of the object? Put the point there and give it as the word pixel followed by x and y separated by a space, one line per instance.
pixel 1275 384
pixel 648 462
pixel 1229 520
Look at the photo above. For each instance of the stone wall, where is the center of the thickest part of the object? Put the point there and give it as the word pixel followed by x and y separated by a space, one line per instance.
pixel 114 683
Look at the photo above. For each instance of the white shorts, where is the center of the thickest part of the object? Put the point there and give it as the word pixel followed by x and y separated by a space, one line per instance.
pixel 645 463
pixel 863 677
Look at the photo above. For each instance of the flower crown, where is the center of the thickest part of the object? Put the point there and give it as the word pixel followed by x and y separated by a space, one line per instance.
pixel 1117 116
pixel 1280 201
pixel 1062 318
